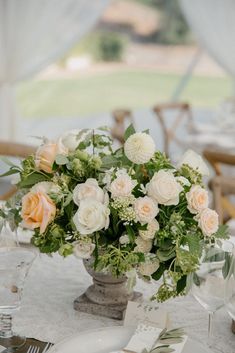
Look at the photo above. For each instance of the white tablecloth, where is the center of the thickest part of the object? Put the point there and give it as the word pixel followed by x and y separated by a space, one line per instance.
pixel 53 283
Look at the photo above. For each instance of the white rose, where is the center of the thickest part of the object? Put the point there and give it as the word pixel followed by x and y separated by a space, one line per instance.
pixel 146 209
pixel 142 245
pixel 197 199
pixel 91 216
pixel 122 185
pixel 164 188
pixel 70 139
pixel 83 250
pixel 89 189
pixel 150 266
pixel 195 161
pixel 46 187
pixel 139 148
pixel 124 239
pixel 151 230
pixel 208 221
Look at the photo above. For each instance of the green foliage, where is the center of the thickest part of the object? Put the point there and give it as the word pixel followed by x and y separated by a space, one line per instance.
pixel 118 244
pixel 109 47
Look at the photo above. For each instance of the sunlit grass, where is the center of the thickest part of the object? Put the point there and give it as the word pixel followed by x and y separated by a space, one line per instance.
pixel 103 92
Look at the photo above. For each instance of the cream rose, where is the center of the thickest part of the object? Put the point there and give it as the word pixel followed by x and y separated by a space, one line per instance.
pixel 146 209
pixel 46 154
pixel 72 138
pixel 83 249
pixel 208 221
pixel 139 148
pixel 151 230
pixel 197 199
pixel 164 188
pixel 142 245
pixel 38 210
pixel 195 161
pixel 122 186
pixel 91 216
pixel 89 189
pixel 150 266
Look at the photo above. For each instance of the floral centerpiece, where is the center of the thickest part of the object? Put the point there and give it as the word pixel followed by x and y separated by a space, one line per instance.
pixel 130 209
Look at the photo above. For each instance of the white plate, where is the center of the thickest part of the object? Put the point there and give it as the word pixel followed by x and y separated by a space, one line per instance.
pixel 108 339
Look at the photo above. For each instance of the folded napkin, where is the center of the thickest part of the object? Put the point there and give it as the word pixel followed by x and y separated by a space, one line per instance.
pixel 146 338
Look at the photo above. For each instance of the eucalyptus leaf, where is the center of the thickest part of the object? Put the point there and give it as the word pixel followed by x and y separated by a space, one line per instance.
pixel 8 162
pixel 60 159
pixel 10 172
pixel 129 131
pixel 33 179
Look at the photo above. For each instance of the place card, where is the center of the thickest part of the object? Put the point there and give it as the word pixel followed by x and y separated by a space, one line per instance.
pixel 147 313
pixel 144 338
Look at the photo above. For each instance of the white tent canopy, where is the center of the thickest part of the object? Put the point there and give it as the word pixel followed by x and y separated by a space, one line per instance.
pixel 213 22
pixel 34 33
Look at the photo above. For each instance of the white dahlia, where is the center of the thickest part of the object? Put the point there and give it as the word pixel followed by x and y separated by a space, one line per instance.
pixel 139 148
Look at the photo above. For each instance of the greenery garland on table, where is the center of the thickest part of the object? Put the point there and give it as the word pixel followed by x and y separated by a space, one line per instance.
pixel 130 209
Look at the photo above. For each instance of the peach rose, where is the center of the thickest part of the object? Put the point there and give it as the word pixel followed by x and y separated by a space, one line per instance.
pixel 197 199
pixel 208 221
pixel 38 210
pixel 146 209
pixel 46 153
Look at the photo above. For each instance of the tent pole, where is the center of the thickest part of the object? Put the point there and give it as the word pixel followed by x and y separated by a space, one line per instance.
pixel 186 76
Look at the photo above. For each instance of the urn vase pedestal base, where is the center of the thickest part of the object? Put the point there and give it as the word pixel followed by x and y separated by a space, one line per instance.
pixel 107 296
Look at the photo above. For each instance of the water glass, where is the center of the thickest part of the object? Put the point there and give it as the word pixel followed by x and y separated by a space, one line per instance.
pixel 209 282
pixel 15 263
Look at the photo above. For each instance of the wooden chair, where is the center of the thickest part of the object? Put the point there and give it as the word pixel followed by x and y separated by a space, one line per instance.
pixel 222 185
pixel 183 111
pixel 19 150
pixel 122 118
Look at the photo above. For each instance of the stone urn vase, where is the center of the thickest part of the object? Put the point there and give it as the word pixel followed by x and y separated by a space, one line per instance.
pixel 107 296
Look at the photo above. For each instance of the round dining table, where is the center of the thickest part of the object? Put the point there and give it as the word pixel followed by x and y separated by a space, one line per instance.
pixel 53 283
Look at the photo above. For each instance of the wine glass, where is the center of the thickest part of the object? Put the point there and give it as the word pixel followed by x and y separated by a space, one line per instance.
pixel 230 290
pixel 15 263
pixel 209 282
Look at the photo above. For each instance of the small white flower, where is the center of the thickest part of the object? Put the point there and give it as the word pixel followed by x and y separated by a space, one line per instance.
pixel 83 249
pixel 70 139
pixel 183 181
pixel 150 265
pixel 46 187
pixel 139 148
pixel 197 199
pixel 164 188
pixel 151 230
pixel 124 239
pixel 89 189
pixel 146 209
pixel 195 161
pixel 208 221
pixel 91 216
pixel 122 186
pixel 142 245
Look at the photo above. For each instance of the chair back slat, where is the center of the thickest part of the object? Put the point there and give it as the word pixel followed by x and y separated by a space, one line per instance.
pixel 183 112
pixel 17 150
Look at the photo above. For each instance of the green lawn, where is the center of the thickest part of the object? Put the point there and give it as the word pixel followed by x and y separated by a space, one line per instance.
pixel 104 92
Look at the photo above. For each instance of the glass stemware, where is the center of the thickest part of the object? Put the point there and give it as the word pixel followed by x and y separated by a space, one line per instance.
pixel 15 263
pixel 209 282
pixel 230 290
